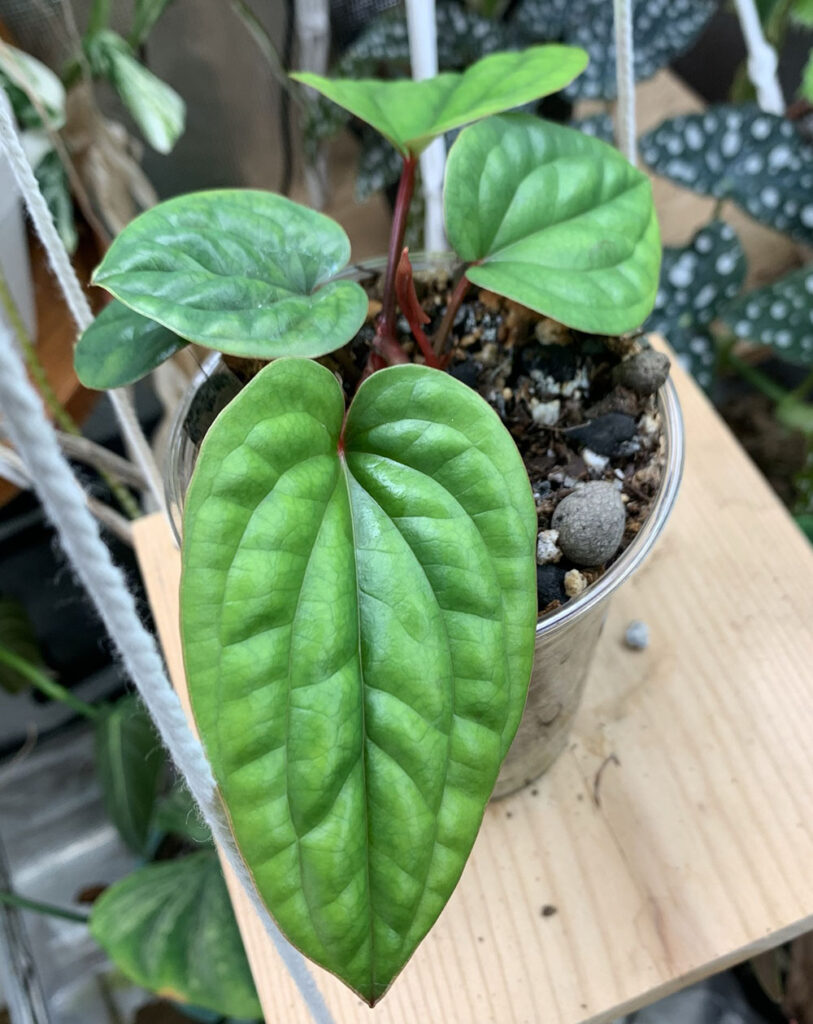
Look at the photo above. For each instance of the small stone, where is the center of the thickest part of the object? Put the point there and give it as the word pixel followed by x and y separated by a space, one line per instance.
pixel 489 353
pixel 643 373
pixel 590 522
pixel 551 332
pixel 547 550
pixel 604 434
pixel 637 635
pixel 574 583
pixel 617 400
pixel 490 300
pixel 550 585
pixel 595 463
pixel 546 414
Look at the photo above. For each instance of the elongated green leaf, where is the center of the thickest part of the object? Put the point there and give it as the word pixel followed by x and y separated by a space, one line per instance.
pixel 25 79
pixel 53 182
pixel 145 14
pixel 238 270
pixel 555 220
pixel 779 315
pixel 357 614
pixel 170 927
pixel 17 636
pixel 129 761
pixel 410 114
pixel 156 108
pixel 121 347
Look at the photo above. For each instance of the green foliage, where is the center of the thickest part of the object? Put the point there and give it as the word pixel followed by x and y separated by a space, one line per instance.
pixel 170 928
pixel 177 814
pixel 17 636
pixel 663 29
pixel 53 182
pixel 697 280
pixel 410 114
pixel 806 88
pixel 145 14
pixel 779 315
pixel 240 271
pixel 129 763
pixel 554 219
pixel 758 160
pixel 22 77
pixel 155 107
pixel 356 710
pixel 120 347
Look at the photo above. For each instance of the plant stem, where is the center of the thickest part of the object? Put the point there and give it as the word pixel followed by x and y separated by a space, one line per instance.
pixel 45 684
pixel 58 412
pixel 756 378
pixel 11 899
pixel 385 341
pixel 453 305
pixel 99 16
pixel 800 393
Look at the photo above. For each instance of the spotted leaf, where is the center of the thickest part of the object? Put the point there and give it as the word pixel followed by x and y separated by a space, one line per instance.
pixel 779 315
pixel 663 29
pixel 758 160
pixel 696 281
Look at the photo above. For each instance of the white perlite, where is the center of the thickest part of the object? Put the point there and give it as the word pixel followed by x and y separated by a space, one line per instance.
pixel 547 550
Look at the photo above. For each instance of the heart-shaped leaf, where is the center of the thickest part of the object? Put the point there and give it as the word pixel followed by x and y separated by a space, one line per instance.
pixel 779 315
pixel 697 280
pixel 357 614
pixel 663 29
pixel 170 928
pixel 758 160
pixel 241 271
pixel 129 762
pixel 121 347
pixel 554 219
pixel 410 114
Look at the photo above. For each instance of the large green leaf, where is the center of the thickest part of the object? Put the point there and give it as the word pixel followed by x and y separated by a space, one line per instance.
pixel 357 614
pixel 238 270
pixel 410 114
pixel 129 761
pixel 554 219
pixel 760 161
pixel 156 108
pixel 170 927
pixel 121 347
pixel 779 315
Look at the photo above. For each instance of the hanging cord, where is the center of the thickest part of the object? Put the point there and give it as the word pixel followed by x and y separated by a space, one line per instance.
pixel 762 59
pixel 625 80
pixel 65 505
pixel 72 290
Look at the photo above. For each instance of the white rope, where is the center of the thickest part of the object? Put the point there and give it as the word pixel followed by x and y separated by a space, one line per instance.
pixel 423 55
pixel 65 505
pixel 72 289
pixel 762 59
pixel 625 133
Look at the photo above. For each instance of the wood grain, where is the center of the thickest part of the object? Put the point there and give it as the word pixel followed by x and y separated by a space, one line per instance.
pixel 699 852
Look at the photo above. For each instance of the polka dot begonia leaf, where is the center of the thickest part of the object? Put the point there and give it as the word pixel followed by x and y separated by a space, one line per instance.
pixel 758 160
pixel 696 281
pixel 779 315
pixel 663 29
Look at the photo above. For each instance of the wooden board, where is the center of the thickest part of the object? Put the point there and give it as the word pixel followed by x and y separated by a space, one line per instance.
pixel 699 851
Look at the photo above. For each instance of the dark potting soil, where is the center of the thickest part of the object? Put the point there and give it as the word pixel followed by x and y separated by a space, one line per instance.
pixel 558 393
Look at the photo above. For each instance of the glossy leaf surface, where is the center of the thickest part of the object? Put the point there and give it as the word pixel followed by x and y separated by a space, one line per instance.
pixel 760 161
pixel 129 761
pixel 410 114
pixel 121 347
pixel 779 315
pixel 240 271
pixel 697 280
pixel 170 927
pixel 358 633
pixel 556 220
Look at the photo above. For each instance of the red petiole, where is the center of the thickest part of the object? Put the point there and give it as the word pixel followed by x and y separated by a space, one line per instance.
pixel 411 308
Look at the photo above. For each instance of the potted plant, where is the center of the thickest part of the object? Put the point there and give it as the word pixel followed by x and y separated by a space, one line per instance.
pixel 359 591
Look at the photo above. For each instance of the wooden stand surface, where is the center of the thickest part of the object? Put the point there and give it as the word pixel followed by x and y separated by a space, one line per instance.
pixel 674 836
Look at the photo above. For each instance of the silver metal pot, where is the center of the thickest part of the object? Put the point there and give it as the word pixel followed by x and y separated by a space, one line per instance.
pixel 565 639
